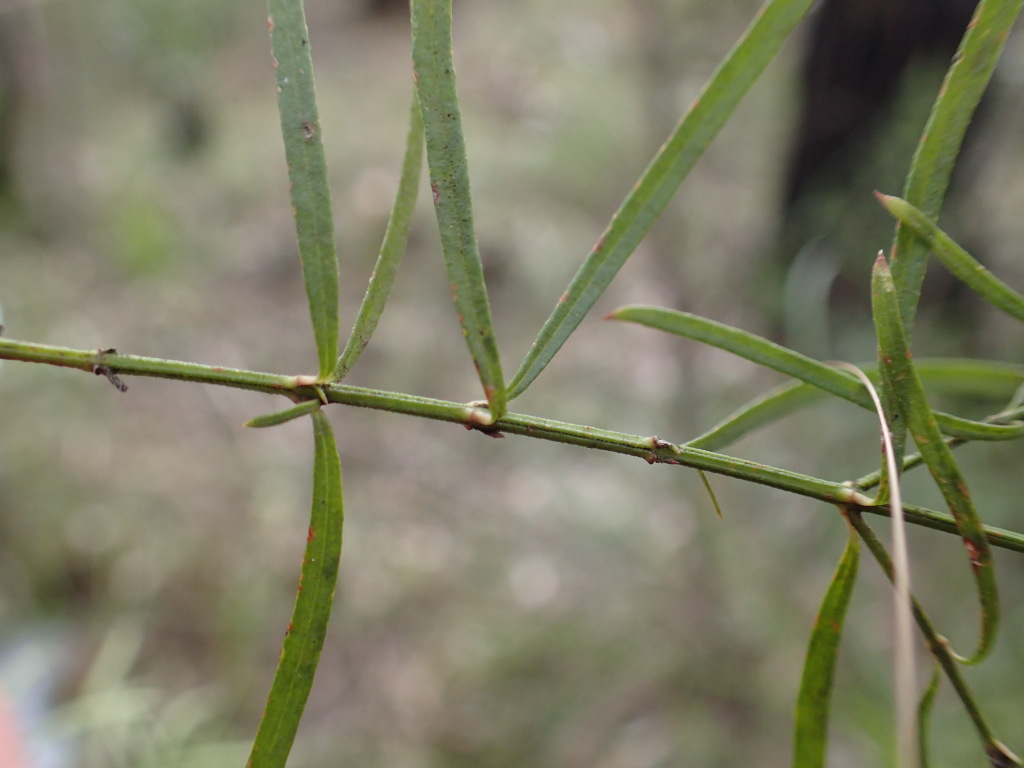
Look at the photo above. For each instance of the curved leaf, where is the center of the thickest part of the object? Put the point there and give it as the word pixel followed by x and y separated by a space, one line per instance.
pixel 391 250
pixel 974 378
pixel 449 182
pixel 957 260
pixel 661 179
pixel 936 153
pixel 904 673
pixel 810 737
pixel 761 411
pixel 305 635
pixel 902 379
pixel 760 350
pixel 307 172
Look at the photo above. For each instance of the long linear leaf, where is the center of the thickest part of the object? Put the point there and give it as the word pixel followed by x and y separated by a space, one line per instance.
pixel 304 638
pixel 940 142
pixel 307 172
pixel 956 259
pixel 391 250
pixel 449 182
pixel 661 179
pixel 810 736
pixel 901 377
pixel 764 352
pixel 767 408
pixel 973 378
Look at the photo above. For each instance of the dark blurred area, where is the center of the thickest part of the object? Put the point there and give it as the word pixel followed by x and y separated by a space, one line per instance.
pixel 869 72
pixel 502 602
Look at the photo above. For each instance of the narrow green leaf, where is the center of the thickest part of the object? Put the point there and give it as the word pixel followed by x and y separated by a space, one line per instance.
pixel 305 635
pixel 766 409
pixel 956 259
pixel 811 732
pixel 972 378
pixel 449 182
pixel 661 179
pixel 307 172
pixel 924 713
pixel 926 183
pixel 391 250
pixel 711 491
pixel 288 414
pixel 764 352
pixel 902 379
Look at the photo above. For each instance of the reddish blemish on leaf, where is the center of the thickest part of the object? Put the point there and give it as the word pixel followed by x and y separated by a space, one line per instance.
pixel 563 297
pixel 310 535
pixel 288 629
pixel 270 27
pixel 433 191
pixel 973 553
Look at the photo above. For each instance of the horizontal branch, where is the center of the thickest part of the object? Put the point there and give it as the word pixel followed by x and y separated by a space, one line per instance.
pixel 473 416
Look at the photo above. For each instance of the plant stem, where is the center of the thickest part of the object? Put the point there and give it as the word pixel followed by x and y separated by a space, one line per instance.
pixel 651 449
pixel 940 649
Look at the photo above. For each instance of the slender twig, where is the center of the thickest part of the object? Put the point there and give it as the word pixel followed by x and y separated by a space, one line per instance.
pixel 651 449
pixel 997 753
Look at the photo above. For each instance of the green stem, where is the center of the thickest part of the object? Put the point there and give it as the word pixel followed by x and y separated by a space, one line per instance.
pixel 651 449
pixel 939 647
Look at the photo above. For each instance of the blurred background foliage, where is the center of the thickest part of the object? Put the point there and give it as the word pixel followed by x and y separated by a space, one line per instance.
pixel 502 603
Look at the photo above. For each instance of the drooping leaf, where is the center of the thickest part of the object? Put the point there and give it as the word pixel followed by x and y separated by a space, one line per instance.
pixel 391 250
pixel 449 183
pixel 957 260
pixel 936 153
pixel 307 172
pixel 304 638
pixel 661 179
pixel 810 737
pixel 901 377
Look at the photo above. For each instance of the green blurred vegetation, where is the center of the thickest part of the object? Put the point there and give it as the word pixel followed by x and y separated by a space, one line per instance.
pixel 501 604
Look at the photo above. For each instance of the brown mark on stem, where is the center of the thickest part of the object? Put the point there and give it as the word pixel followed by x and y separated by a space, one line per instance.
pixel 104 370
